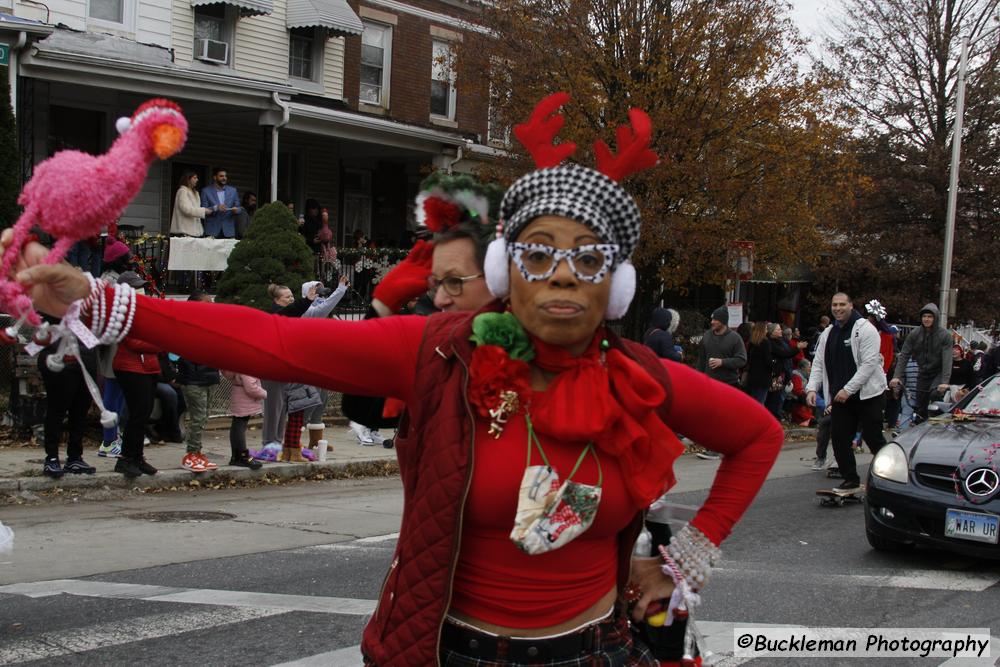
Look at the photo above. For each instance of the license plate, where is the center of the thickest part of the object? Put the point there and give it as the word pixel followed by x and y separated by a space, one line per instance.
pixel 971 526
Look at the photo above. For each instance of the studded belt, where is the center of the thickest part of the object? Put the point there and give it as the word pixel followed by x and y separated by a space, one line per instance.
pixel 475 644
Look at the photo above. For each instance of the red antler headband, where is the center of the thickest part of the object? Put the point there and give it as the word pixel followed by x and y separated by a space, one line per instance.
pixel 539 133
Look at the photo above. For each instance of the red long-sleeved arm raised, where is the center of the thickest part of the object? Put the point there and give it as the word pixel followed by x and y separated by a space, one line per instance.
pixel 375 357
pixel 729 422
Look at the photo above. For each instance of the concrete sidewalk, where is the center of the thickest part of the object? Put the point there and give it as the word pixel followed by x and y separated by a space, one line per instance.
pixel 21 466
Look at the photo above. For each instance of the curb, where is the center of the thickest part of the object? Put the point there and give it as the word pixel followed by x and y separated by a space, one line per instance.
pixel 178 477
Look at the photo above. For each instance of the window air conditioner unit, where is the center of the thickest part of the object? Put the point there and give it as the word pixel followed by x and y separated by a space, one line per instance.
pixel 211 51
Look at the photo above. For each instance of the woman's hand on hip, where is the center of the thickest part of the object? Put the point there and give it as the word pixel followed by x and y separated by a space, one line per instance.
pixel 650 580
pixel 52 287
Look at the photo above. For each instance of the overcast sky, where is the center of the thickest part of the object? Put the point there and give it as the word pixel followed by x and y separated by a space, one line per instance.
pixel 812 16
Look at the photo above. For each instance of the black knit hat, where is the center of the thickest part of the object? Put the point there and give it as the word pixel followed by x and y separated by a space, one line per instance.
pixel 721 314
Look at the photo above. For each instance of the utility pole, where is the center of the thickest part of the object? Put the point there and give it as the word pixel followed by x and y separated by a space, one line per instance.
pixel 956 151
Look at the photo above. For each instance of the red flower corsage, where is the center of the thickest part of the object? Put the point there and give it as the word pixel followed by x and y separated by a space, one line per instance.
pixel 499 386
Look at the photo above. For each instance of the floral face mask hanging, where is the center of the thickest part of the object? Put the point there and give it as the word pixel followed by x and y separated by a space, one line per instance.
pixel 549 514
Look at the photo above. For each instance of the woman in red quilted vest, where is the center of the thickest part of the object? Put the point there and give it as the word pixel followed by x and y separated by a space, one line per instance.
pixel 534 437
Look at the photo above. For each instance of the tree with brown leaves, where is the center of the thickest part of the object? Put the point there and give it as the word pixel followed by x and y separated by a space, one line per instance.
pixel 898 60
pixel 748 151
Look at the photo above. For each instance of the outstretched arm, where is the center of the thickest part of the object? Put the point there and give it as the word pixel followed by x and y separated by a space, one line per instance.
pixel 369 357
pixel 373 357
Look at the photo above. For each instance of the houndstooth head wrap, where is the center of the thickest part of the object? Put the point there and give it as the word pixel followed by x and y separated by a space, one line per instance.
pixel 578 193
pixel 591 197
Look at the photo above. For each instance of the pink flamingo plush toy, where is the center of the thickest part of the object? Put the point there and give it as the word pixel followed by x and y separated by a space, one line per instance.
pixel 74 195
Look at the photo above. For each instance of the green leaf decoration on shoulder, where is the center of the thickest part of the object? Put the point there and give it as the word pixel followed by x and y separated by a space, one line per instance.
pixel 502 330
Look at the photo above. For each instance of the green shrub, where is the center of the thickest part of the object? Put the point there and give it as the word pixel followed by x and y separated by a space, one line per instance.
pixel 272 251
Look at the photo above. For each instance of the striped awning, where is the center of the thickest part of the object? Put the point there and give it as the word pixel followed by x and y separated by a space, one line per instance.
pixel 246 7
pixel 336 16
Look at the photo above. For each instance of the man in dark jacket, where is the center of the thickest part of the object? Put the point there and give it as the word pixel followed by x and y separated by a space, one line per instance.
pixel 660 334
pixel 930 346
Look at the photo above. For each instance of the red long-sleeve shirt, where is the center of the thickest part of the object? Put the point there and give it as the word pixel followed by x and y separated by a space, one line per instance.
pixel 377 357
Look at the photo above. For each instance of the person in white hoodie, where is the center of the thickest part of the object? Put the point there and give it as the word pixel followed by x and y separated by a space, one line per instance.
pixel 848 369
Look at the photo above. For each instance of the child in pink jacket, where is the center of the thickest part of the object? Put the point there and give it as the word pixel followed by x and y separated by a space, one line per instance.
pixel 245 401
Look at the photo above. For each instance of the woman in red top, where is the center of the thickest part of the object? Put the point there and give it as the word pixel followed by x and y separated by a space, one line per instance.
pixel 534 437
pixel 136 368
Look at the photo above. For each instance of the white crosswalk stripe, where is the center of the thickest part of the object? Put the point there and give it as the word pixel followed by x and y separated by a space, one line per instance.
pixel 206 596
pixel 942 580
pixel 81 640
pixel 344 657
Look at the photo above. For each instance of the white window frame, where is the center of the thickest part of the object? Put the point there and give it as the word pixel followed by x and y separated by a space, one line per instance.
pixel 317 45
pixel 228 34
pixel 128 18
pixel 386 64
pixel 495 135
pixel 452 93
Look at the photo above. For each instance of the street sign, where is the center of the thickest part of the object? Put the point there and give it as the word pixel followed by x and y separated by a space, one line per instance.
pixel 4 54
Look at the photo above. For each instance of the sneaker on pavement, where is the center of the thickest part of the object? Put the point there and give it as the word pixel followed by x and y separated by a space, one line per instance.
pixel 374 435
pixel 244 460
pixel 708 456
pixel 362 434
pixel 111 450
pixel 193 462
pixel 79 467
pixel 144 466
pixel 127 467
pixel 51 468
pixel 205 462
pixel 847 488
pixel 819 463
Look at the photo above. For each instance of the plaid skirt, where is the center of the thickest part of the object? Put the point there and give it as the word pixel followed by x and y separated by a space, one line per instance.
pixel 613 646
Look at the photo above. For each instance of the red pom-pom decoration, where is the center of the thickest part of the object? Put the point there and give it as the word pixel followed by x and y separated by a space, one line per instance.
pixel 440 214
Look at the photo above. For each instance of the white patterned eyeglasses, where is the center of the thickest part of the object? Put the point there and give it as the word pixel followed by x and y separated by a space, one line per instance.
pixel 537 261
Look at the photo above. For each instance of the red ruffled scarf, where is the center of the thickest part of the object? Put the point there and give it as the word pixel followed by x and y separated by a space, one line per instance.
pixel 613 405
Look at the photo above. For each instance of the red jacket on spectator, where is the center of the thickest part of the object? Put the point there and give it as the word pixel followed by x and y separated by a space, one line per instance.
pixel 134 356
pixel 888 350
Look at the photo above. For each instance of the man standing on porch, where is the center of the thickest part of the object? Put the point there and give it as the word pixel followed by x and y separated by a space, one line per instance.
pixel 223 202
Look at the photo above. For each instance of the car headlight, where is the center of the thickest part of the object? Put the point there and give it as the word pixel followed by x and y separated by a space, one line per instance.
pixel 890 464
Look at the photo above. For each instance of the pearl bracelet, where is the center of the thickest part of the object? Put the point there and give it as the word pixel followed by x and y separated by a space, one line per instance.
pixel 693 554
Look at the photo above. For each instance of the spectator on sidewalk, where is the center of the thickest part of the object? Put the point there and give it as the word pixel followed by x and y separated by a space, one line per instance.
pixel 246 400
pixel 659 336
pixel 196 381
pixel 930 345
pixel 848 370
pixel 275 405
pixel 66 397
pixel 136 368
pixel 721 353
pixel 167 428
pixel 759 363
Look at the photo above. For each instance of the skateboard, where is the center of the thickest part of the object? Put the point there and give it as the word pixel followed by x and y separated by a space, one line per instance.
pixel 829 498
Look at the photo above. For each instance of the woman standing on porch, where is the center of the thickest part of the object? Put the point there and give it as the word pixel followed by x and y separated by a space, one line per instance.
pixel 188 212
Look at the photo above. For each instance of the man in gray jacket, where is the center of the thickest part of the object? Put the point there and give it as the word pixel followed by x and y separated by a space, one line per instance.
pixel 930 346
pixel 721 354
pixel 848 370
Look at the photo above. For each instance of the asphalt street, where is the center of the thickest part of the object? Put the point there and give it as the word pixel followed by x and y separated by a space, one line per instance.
pixel 287 575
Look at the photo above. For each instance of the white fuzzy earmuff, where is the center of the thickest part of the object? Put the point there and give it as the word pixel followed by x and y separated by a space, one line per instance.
pixel 622 291
pixel 496 268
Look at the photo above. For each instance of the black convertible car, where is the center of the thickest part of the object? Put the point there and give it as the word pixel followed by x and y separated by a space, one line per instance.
pixel 937 484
